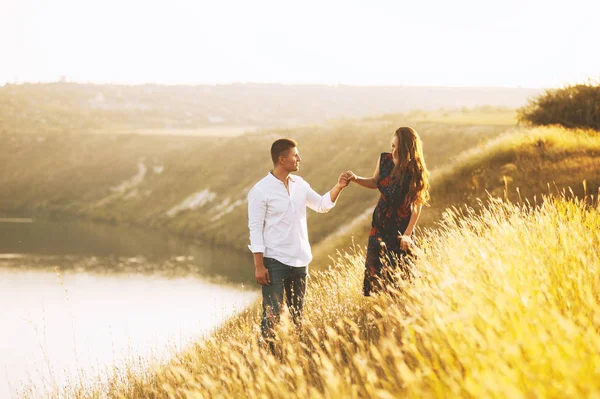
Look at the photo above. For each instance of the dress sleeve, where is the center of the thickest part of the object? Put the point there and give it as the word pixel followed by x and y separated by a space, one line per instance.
pixel 382 158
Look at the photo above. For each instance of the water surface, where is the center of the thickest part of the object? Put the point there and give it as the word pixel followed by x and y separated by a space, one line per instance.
pixel 101 247
pixel 52 326
pixel 80 297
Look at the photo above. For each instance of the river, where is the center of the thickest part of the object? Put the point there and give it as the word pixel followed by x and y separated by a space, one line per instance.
pixel 80 298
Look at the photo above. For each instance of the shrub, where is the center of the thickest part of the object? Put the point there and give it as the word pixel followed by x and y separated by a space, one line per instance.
pixel 576 106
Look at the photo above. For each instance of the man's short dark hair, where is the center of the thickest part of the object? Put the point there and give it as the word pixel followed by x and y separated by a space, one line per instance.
pixel 280 148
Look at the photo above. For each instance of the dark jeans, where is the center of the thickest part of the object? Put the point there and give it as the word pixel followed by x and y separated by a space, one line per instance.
pixel 286 278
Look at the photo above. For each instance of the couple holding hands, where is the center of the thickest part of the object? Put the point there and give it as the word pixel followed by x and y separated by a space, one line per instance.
pixel 278 229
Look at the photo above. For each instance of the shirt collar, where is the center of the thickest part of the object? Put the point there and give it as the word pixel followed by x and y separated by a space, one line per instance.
pixel 290 177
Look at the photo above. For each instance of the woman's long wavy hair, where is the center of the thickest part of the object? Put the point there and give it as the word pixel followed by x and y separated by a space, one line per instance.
pixel 409 153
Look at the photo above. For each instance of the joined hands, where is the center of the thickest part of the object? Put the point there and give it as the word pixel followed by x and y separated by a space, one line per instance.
pixel 345 178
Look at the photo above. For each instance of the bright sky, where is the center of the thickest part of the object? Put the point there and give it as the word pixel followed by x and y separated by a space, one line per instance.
pixel 528 43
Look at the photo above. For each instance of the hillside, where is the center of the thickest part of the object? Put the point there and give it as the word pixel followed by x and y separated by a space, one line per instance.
pixel 197 186
pixel 69 108
pixel 520 165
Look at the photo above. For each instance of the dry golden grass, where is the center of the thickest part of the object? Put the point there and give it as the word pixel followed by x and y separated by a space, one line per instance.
pixel 505 304
pixel 552 142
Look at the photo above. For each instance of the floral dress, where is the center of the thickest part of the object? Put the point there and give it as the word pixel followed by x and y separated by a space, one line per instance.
pixel 390 219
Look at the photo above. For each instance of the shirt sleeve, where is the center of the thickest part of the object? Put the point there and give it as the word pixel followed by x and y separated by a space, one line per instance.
pixel 257 212
pixel 318 203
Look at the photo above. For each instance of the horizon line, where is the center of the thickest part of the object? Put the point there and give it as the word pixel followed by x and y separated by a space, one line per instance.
pixel 269 83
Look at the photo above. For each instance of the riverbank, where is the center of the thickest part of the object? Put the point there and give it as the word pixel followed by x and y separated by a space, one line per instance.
pixel 104 249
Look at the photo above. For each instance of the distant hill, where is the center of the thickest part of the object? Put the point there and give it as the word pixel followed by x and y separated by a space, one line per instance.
pixel 70 108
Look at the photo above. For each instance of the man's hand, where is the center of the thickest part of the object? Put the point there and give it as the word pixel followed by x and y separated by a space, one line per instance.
pixel 345 178
pixel 343 181
pixel 262 275
pixel 350 176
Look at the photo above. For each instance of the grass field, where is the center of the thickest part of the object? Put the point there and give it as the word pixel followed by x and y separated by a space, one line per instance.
pixel 504 303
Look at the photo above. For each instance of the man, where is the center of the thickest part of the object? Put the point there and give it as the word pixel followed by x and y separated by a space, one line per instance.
pixel 279 236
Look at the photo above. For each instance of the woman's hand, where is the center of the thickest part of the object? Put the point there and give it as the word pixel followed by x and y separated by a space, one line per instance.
pixel 405 243
pixel 350 176
pixel 366 182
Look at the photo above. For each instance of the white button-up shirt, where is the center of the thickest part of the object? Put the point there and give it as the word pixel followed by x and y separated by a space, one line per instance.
pixel 277 220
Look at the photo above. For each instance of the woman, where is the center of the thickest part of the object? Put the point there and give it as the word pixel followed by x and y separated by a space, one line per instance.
pixel 403 180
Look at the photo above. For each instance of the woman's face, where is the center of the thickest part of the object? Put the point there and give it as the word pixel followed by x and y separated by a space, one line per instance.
pixel 395 147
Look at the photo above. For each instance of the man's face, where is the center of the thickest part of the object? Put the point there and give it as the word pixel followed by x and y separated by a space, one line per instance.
pixel 291 161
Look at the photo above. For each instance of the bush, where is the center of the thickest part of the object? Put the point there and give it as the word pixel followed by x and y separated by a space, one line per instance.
pixel 576 106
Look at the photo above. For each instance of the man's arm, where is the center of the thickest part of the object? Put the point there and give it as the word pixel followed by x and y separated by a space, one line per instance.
pixel 323 203
pixel 342 183
pixel 257 212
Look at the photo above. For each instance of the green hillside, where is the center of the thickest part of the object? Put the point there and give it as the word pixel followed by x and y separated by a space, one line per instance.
pixel 197 186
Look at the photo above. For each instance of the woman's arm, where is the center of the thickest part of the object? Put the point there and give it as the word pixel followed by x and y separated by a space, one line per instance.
pixel 405 240
pixel 414 218
pixel 366 182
